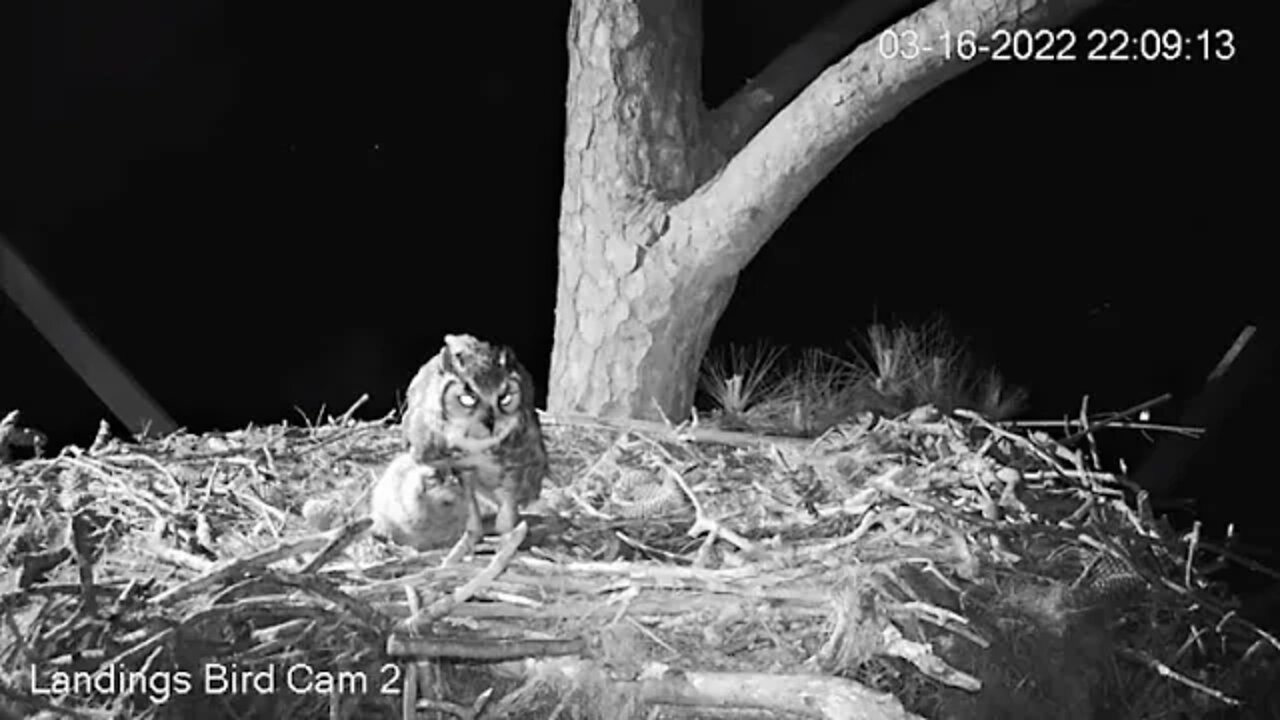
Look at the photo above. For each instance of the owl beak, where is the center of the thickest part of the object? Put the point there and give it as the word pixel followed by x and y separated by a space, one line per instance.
pixel 488 420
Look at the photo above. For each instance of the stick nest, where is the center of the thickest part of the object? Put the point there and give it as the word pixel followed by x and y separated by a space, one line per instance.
pixel 925 566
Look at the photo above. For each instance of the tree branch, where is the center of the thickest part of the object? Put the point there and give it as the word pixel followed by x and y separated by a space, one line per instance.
pixel 738 118
pixel 765 182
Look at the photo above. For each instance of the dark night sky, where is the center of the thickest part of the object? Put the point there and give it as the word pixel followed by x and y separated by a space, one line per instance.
pixel 256 212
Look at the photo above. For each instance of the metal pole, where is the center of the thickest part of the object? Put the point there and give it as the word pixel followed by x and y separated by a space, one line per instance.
pixel 123 396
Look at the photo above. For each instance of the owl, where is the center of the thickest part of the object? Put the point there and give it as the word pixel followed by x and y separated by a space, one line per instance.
pixel 471 407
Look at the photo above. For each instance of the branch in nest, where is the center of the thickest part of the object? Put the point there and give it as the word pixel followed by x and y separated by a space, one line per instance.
pixel 706 524
pixel 808 696
pixel 400 645
pixel 441 607
pixel 236 568
pixel 343 537
pixel 677 433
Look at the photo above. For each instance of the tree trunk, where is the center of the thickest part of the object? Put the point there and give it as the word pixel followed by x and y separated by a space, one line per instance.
pixel 665 202
pixel 627 324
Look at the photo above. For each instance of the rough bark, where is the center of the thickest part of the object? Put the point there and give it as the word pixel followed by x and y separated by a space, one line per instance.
pixel 657 219
pixel 737 119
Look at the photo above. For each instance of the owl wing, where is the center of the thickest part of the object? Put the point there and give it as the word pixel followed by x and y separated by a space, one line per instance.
pixel 419 426
pixel 529 465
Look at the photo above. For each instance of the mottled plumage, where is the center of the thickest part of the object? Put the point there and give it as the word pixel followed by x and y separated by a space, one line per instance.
pixel 421 506
pixel 471 407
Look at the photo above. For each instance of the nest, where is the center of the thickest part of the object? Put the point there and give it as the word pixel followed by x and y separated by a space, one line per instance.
pixel 925 566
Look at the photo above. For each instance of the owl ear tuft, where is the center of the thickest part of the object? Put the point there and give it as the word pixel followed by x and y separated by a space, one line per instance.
pixel 462 343
pixel 504 358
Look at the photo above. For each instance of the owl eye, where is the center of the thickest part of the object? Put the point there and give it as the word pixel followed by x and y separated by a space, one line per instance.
pixel 466 399
pixel 508 399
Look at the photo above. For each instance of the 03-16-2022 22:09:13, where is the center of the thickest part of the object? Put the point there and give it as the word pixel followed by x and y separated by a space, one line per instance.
pixel 1064 45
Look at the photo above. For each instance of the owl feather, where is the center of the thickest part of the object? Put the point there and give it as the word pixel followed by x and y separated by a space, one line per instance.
pixel 471 407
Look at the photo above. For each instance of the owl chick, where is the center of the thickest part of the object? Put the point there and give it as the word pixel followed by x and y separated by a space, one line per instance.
pixel 472 406
pixel 421 506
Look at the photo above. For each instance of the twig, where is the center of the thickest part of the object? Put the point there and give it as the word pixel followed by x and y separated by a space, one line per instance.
pixel 441 607
pixel 1019 440
pixel 351 607
pixel 101 439
pixel 346 416
pixel 180 558
pixel 409 691
pixel 19 697
pixel 1232 353
pixel 232 569
pixel 1088 432
pixel 343 537
pixel 335 437
pixel 1193 432
pixel 704 523
pixel 157 507
pixel 274 517
pixel 1097 424
pixel 1168 672
pixel 1192 546
pixel 701 435
pixel 401 645
pixel 1240 559
pixel 806 696
pixel 19 642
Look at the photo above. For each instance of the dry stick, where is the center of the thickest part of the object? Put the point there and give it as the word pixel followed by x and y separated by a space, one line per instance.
pixel 701 435
pixel 346 416
pixel 181 558
pixel 20 643
pixel 340 435
pixel 21 698
pixel 704 523
pixel 400 645
pixel 158 508
pixel 283 633
pixel 343 537
pixel 1098 424
pixel 1192 432
pixel 1029 445
pixel 155 464
pixel 351 607
pixel 1240 559
pixel 409 692
pixel 228 570
pixel 271 604
pixel 56 589
pixel 409 687
pixel 459 711
pixel 1088 431
pixel 1192 546
pixel 1168 672
pixel 441 607
pixel 806 696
